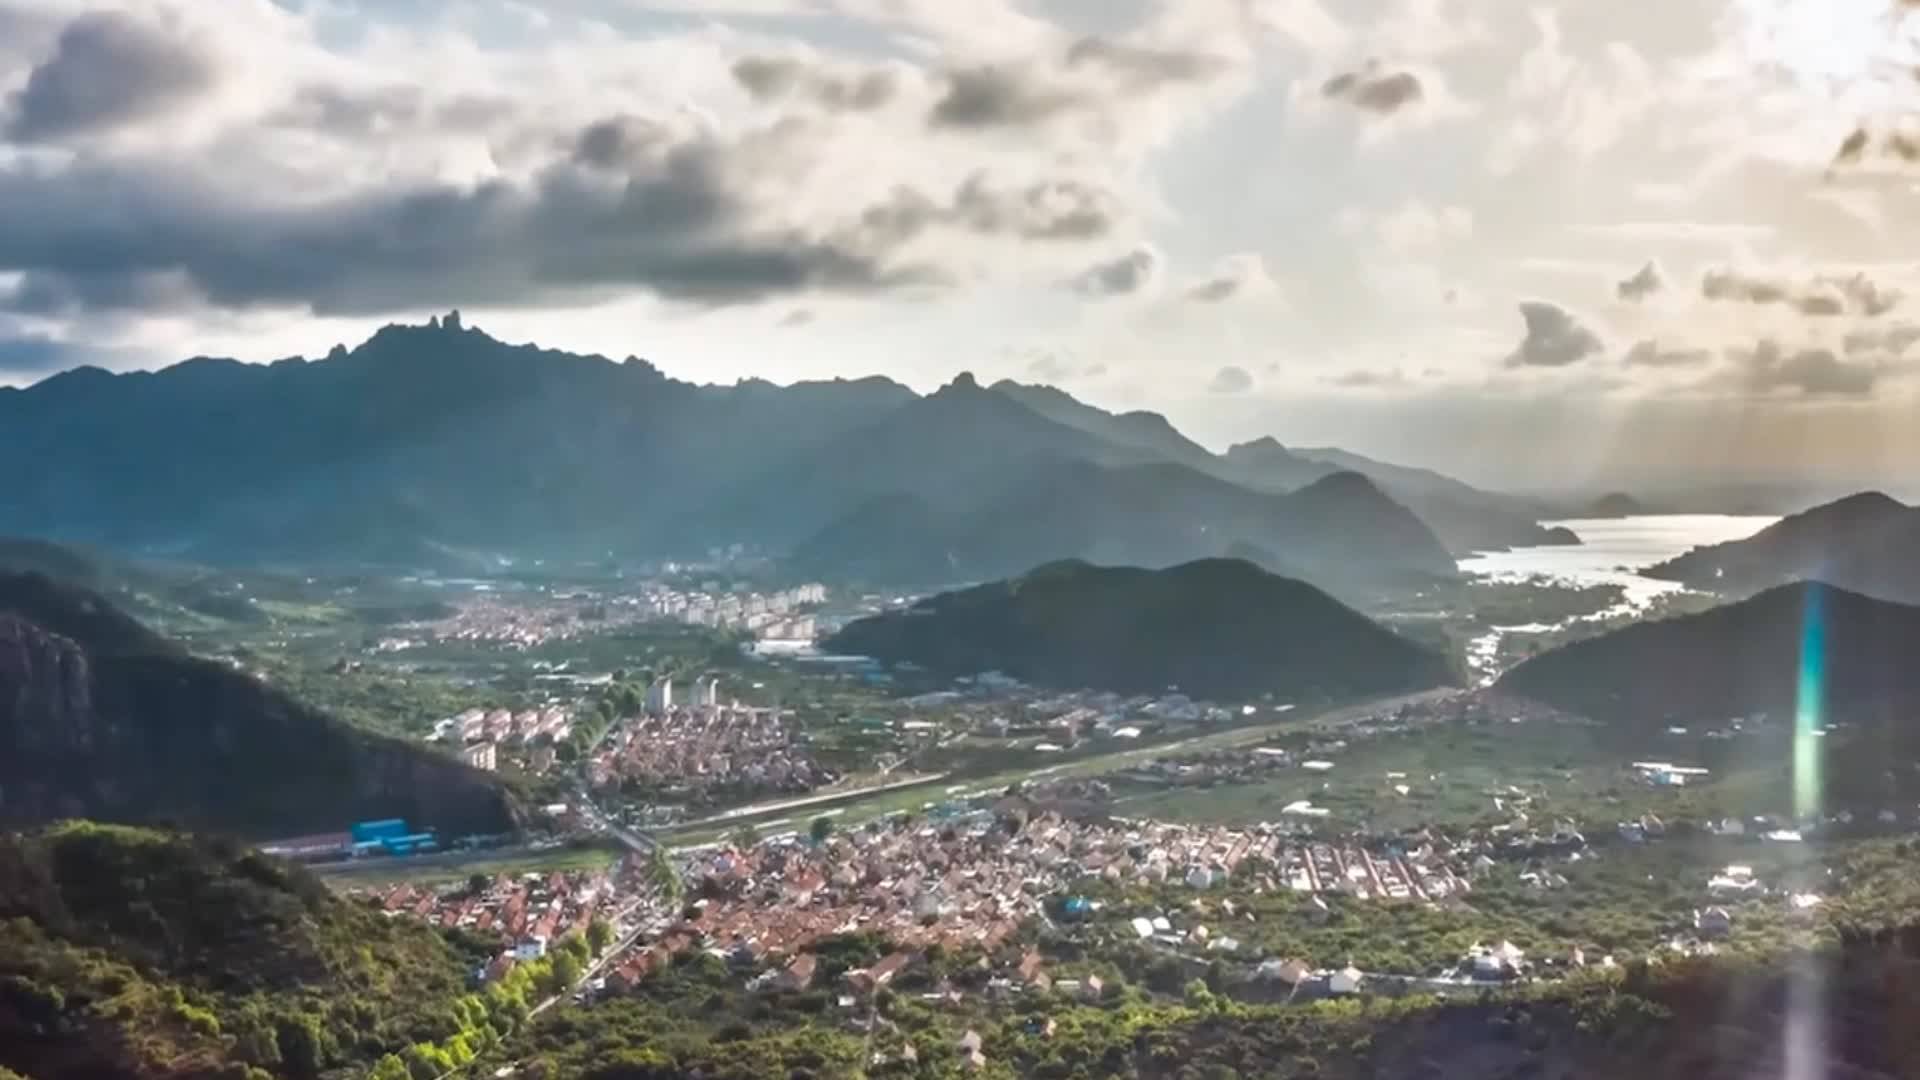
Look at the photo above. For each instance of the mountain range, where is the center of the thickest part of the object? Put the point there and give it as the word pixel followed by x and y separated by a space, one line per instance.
pixel 1219 629
pixel 438 446
pixel 1868 543
pixel 102 718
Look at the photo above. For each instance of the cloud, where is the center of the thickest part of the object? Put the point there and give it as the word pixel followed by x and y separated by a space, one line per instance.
pixel 107 69
pixel 797 317
pixel 1824 296
pixel 1892 341
pixel 1768 368
pixel 1000 96
pixel 1049 367
pixel 682 215
pixel 1237 275
pixel 1554 338
pixel 1139 68
pixel 1230 380
pixel 1375 88
pixel 774 79
pixel 1368 380
pixel 1122 276
pixel 1411 228
pixel 1652 354
pixel 26 357
pixel 1096 75
pixel 1644 283
pixel 1055 209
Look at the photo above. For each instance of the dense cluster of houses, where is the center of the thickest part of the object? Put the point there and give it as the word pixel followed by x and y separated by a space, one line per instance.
pixel 692 753
pixel 523 912
pixel 779 615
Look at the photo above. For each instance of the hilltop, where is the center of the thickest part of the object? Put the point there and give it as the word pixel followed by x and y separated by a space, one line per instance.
pixel 131 952
pixel 102 718
pixel 1736 660
pixel 1218 629
pixel 1867 542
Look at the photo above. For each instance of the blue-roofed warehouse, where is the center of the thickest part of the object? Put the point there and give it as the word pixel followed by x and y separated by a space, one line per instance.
pixel 372 831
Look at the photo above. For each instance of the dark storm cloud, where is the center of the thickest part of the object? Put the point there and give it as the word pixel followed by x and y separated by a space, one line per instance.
pixel 1821 297
pixel 1644 283
pixel 1768 368
pixel 676 220
pixel 1554 337
pixel 770 79
pixel 107 69
pixel 1375 88
pixel 1122 276
pixel 1230 380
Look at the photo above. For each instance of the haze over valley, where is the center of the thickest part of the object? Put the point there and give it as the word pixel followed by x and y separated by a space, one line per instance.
pixel 885 539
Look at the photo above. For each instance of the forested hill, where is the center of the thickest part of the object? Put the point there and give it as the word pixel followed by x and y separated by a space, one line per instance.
pixel 101 718
pixel 126 952
pixel 1868 543
pixel 1737 660
pixel 1219 629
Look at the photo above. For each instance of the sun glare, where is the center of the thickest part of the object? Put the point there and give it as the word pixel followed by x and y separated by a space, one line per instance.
pixel 1834 46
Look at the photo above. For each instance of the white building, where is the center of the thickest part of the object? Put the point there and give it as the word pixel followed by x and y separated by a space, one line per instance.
pixel 660 697
pixel 706 693
pixel 484 755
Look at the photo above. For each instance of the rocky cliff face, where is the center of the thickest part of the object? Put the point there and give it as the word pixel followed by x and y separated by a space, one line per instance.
pixel 138 736
pixel 45 694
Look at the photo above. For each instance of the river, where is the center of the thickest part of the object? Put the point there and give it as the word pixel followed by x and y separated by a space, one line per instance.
pixel 1613 552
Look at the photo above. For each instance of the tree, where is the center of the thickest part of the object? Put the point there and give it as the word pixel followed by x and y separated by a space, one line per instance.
pixel 567 970
pixel 599 935
pixel 390 1068
pixel 821 828
pixel 745 838
pixel 302 1044
pixel 664 876
pixel 477 884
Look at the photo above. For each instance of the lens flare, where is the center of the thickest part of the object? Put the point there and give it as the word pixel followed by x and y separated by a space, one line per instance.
pixel 1805 1028
pixel 1809 705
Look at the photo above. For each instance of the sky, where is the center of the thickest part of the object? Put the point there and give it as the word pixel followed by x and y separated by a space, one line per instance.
pixel 1535 244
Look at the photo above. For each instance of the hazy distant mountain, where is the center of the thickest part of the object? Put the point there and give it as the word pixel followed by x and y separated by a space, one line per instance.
pixel 1340 532
pixel 1736 660
pixel 101 718
pixel 1146 430
pixel 1869 543
pixel 425 445
pixel 1465 518
pixel 1220 629
pixel 439 447
pixel 955 448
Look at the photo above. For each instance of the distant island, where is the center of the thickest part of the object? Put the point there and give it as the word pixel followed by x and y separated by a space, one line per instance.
pixel 1218 629
pixel 1615 505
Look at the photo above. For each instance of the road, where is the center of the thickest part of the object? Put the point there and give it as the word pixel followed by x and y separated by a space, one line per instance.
pixel 878 802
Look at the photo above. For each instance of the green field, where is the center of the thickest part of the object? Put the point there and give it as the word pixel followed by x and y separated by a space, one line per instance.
pixel 458 867
pixel 1455 772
